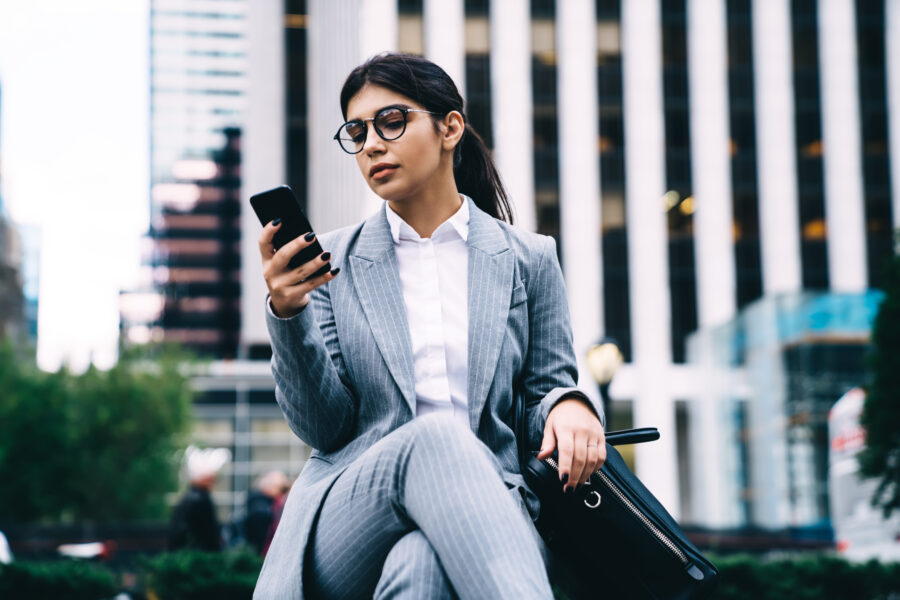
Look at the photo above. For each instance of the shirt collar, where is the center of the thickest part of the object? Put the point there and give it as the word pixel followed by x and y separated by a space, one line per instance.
pixel 458 222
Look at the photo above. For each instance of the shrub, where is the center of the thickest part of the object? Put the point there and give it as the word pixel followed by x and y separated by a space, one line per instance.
pixel 808 577
pixel 817 577
pixel 194 575
pixel 70 579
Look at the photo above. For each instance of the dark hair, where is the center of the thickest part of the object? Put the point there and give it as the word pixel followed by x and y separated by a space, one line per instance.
pixel 429 85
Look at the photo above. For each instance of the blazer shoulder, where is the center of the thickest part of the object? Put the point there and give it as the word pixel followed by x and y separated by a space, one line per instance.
pixel 531 248
pixel 534 252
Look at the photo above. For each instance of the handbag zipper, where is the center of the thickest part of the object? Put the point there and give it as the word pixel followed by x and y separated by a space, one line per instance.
pixel 662 537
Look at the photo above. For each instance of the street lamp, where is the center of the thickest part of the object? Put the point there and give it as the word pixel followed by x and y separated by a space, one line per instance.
pixel 604 358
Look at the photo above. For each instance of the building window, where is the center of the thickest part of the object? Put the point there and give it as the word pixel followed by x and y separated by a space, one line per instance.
pixel 296 100
pixel 745 207
pixel 740 447
pixel 870 39
pixel 546 136
pixel 679 202
pixel 808 131
pixel 611 143
pixel 410 27
pixel 808 398
pixel 478 69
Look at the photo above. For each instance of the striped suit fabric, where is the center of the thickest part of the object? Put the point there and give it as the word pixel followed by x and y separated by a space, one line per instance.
pixel 344 379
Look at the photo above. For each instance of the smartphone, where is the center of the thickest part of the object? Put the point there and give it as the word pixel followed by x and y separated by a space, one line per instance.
pixel 280 203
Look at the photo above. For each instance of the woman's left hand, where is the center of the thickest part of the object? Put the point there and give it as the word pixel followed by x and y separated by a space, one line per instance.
pixel 577 432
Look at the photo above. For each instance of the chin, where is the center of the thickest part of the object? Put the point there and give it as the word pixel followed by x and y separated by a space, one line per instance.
pixel 390 192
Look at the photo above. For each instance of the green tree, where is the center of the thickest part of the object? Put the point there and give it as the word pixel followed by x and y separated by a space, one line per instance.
pixel 34 439
pixel 128 425
pixel 100 446
pixel 881 412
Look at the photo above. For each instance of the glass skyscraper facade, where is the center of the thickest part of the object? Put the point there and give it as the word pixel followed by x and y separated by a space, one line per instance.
pixel 190 285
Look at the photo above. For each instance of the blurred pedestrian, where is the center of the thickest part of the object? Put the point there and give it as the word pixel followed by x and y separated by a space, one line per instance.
pixel 277 511
pixel 194 522
pixel 260 503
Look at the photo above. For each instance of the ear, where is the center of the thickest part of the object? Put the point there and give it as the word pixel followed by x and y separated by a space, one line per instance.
pixel 452 130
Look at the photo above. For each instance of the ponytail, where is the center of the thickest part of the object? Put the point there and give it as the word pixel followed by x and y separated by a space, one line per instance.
pixel 477 177
pixel 429 85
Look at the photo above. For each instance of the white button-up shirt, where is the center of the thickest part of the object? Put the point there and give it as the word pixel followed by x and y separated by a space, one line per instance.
pixel 434 278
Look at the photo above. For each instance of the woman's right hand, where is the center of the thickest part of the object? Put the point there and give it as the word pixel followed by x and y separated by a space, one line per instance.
pixel 287 289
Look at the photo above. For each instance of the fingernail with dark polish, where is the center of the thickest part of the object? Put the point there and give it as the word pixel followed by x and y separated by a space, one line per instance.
pixel 326 256
pixel 564 478
pixel 336 270
pixel 309 236
pixel 276 222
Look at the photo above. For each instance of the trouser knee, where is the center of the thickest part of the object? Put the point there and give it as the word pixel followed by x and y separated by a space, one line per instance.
pixel 412 570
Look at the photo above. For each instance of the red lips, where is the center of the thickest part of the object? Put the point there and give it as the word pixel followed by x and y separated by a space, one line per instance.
pixel 380 167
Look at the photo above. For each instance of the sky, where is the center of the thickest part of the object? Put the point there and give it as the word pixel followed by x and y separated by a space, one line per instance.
pixel 74 150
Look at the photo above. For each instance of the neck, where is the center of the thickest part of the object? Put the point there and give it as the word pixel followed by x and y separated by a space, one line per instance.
pixel 426 210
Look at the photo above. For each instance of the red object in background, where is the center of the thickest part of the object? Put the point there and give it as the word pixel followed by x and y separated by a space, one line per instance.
pixel 109 549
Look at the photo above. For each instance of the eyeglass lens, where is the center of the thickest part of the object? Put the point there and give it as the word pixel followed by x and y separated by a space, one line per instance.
pixel 390 124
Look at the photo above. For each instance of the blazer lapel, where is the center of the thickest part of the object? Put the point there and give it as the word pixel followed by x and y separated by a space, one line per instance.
pixel 490 279
pixel 373 268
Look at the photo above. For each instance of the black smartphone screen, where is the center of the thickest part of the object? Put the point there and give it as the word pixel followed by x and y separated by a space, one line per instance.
pixel 280 203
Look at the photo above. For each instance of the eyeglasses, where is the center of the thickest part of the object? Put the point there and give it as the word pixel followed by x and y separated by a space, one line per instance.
pixel 389 122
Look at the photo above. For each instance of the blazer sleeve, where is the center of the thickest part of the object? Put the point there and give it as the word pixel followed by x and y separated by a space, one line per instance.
pixel 312 386
pixel 551 370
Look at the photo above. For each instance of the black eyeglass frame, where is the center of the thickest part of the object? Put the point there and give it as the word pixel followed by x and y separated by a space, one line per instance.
pixel 404 110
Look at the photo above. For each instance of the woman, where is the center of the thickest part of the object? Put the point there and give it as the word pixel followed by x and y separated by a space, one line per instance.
pixel 402 365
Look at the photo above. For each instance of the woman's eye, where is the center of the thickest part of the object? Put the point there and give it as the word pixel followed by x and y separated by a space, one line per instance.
pixel 356 132
pixel 391 120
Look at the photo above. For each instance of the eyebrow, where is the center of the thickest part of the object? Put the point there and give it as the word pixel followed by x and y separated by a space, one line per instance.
pixel 396 105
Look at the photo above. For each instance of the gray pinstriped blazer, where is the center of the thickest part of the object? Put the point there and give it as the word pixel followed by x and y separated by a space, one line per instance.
pixel 344 370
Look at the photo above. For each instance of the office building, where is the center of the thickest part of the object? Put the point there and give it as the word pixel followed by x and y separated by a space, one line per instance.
pixel 190 291
pixel 12 300
pixel 198 62
pixel 20 254
pixel 30 238
pixel 709 169
pixel 191 259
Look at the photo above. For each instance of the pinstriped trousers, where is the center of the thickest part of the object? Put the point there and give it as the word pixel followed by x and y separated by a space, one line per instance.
pixel 424 513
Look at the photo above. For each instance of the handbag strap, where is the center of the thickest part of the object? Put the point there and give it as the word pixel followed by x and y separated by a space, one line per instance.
pixel 622 437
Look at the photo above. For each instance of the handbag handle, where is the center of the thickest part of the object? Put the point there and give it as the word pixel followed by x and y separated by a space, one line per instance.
pixel 632 436
pixel 622 437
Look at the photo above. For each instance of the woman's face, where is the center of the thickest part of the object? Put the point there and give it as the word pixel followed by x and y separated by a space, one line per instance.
pixel 400 168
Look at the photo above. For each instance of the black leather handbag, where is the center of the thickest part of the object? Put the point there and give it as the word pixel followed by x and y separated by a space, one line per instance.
pixel 611 538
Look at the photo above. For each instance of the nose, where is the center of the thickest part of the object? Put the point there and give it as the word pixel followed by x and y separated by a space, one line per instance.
pixel 373 142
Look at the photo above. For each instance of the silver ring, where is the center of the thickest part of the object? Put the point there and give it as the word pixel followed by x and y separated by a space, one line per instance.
pixel 594 445
pixel 592 500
